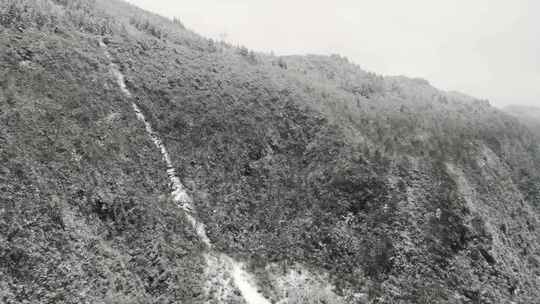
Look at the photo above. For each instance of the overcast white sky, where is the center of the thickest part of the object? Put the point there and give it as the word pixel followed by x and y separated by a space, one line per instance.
pixel 486 48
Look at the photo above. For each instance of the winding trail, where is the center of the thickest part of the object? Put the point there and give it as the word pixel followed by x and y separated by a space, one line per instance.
pixel 242 280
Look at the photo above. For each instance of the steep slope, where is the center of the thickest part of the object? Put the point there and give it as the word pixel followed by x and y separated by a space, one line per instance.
pixel 179 196
pixel 331 184
pixel 83 217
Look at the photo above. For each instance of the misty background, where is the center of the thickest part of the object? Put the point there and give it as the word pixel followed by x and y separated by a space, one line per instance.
pixel 485 48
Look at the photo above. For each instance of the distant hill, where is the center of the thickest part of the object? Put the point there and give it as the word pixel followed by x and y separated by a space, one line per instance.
pixel 329 183
pixel 528 115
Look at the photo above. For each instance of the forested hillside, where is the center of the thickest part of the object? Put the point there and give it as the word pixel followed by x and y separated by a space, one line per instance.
pixel 529 116
pixel 333 184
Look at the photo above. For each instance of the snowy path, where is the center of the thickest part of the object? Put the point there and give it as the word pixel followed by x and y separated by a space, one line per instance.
pixel 242 280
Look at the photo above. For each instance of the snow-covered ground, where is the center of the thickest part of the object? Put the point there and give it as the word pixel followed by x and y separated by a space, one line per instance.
pixel 241 278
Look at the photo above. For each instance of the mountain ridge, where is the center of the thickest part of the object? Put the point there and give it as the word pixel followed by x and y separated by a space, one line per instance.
pixel 330 183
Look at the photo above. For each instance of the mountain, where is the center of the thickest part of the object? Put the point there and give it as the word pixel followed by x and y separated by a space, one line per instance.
pixel 143 163
pixel 528 115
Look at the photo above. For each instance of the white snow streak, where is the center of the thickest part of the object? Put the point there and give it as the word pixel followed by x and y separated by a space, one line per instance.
pixel 242 280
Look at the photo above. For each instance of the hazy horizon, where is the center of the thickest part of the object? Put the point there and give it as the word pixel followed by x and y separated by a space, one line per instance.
pixel 488 49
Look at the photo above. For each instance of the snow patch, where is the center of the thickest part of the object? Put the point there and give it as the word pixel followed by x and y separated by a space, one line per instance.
pixel 299 285
pixel 243 281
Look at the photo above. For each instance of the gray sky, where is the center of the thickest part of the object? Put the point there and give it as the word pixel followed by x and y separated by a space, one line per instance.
pixel 486 48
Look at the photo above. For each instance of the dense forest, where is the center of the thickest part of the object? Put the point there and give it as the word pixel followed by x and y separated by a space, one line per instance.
pixel 333 184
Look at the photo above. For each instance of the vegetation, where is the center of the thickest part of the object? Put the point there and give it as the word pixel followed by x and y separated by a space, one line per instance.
pixel 81 213
pixel 393 188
